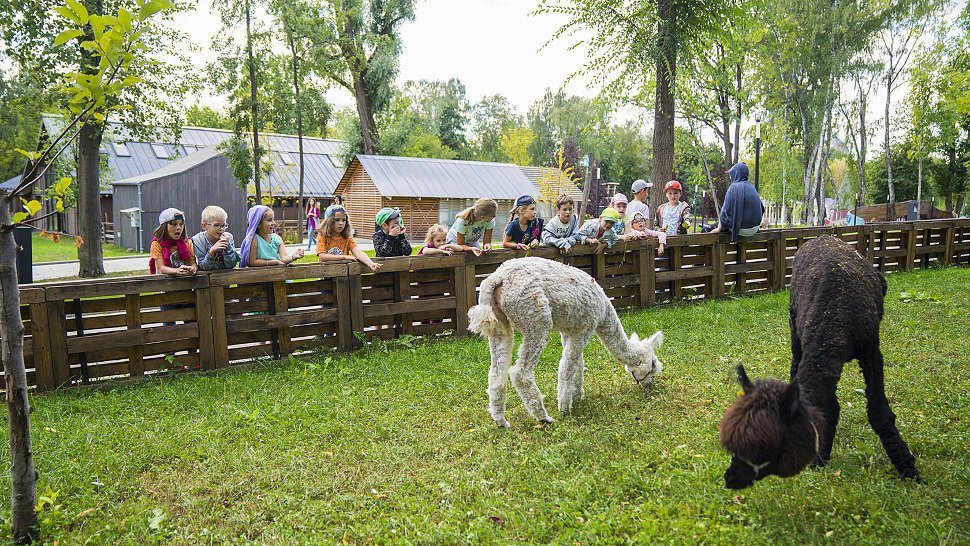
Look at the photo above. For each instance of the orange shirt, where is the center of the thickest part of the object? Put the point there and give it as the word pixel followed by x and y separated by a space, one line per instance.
pixel 335 245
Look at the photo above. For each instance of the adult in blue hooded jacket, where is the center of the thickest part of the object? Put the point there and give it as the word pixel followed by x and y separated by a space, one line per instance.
pixel 742 210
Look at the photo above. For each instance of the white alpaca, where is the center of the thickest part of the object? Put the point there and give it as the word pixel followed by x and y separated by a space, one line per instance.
pixel 537 296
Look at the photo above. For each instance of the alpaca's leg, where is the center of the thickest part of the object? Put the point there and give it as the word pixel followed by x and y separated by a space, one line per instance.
pixel 796 345
pixel 500 345
pixel 571 370
pixel 523 373
pixel 828 404
pixel 883 420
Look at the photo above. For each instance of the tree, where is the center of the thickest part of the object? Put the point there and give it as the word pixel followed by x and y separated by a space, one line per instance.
pixel 112 44
pixel 356 45
pixel 515 145
pixel 492 116
pixel 204 116
pixel 23 99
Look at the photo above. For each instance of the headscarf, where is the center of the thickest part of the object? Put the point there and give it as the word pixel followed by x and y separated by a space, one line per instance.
pixel 254 217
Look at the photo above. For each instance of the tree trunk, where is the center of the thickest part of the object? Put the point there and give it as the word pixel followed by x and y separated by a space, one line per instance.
pixel 889 163
pixel 737 122
pixel 951 153
pixel 368 128
pixel 863 147
pixel 663 130
pixel 299 126
pixel 253 106
pixel 23 478
pixel 89 254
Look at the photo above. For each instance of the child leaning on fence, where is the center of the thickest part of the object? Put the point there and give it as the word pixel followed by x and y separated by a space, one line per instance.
pixel 262 247
pixel 639 229
pixel 434 242
pixel 472 230
pixel 214 247
pixel 171 250
pixel 335 241
pixel 562 230
pixel 389 237
pixel 599 231
pixel 524 227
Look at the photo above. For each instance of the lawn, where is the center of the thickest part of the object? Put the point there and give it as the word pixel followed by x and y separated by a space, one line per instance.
pixel 45 250
pixel 394 444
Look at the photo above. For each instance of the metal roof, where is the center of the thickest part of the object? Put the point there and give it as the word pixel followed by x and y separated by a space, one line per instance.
pixel 443 178
pixel 177 166
pixel 11 184
pixel 320 174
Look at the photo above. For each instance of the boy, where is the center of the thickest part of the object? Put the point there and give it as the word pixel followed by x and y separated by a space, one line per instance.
pixel 600 231
pixel 562 231
pixel 673 217
pixel 389 237
pixel 214 248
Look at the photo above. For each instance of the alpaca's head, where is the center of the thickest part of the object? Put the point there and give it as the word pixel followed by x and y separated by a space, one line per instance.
pixel 645 364
pixel 769 430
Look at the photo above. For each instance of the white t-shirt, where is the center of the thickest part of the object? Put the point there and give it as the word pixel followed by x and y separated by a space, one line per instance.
pixel 473 232
pixel 638 206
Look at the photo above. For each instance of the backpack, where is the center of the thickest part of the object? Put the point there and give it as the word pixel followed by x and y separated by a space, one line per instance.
pixel 681 229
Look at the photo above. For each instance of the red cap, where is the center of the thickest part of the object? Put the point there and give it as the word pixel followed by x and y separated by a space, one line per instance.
pixel 673 185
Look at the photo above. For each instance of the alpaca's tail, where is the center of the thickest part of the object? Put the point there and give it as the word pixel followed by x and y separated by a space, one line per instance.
pixel 487 317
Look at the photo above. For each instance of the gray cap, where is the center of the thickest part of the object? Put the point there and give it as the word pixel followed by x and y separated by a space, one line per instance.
pixel 170 214
pixel 640 185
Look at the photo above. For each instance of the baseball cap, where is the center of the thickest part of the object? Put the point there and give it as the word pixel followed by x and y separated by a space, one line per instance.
pixel 386 214
pixel 610 214
pixel 169 215
pixel 523 201
pixel 673 185
pixel 332 209
pixel 619 198
pixel 640 185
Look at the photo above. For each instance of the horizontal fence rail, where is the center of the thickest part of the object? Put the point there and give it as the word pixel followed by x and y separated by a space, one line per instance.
pixel 82 332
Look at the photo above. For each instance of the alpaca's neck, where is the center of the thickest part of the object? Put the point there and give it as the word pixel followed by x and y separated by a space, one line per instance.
pixel 611 333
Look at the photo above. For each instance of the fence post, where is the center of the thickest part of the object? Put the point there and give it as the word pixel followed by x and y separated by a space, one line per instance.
pixel 740 278
pixel 911 247
pixel 349 292
pixel 136 353
pixel 281 306
pixel 949 236
pixel 779 248
pixel 57 331
pixel 40 337
pixel 646 260
pixel 220 335
pixel 462 303
pixel 717 269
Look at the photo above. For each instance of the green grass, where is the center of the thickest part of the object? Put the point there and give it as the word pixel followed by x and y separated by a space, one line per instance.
pixel 395 445
pixel 45 250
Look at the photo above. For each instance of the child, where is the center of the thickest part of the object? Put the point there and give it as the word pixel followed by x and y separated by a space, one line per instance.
pixel 639 229
pixel 312 220
pixel 523 229
pixel 261 247
pixel 673 217
pixel 171 251
pixel 435 242
pixel 600 231
pixel 562 231
pixel 214 248
pixel 335 241
pixel 622 226
pixel 389 237
pixel 472 230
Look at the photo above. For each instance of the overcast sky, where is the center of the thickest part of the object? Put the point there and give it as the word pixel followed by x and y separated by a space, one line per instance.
pixel 492 46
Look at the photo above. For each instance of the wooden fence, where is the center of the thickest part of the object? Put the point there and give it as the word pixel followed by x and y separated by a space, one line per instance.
pixel 86 331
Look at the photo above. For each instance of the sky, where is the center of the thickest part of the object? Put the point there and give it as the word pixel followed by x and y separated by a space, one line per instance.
pixel 492 46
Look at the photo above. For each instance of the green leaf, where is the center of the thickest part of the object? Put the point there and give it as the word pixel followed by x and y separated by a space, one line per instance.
pixel 68 14
pixel 59 205
pixel 29 155
pixel 19 217
pixel 78 9
pixel 124 19
pixel 69 34
pixel 62 185
pixel 148 9
pixel 97 24
pixel 33 207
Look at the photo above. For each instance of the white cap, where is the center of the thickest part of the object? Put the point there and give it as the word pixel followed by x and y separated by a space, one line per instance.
pixel 170 214
pixel 640 185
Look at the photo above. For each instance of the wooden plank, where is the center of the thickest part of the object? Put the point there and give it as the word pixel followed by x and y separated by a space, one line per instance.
pixel 599 266
pixel 647 292
pixel 280 307
pixel 948 241
pixel 910 249
pixel 675 265
pixel 778 252
pixel 125 338
pixel 220 343
pixel 684 274
pixel 156 283
pixel 619 281
pixel 253 275
pixel 717 269
pixel 203 314
pixel 410 306
pixel 40 338
pixel 57 326
pixel 136 355
pixel 29 295
pixel 284 320
pixel 741 269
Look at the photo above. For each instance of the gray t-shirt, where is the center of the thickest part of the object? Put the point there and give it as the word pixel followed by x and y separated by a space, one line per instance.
pixel 227 259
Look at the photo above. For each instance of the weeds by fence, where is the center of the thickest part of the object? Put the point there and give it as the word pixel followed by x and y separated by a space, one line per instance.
pixel 82 332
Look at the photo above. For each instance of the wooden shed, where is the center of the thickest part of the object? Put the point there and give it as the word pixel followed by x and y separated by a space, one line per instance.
pixel 427 191
pixel 189 184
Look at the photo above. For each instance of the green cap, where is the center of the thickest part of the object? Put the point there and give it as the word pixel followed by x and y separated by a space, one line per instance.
pixel 610 214
pixel 386 214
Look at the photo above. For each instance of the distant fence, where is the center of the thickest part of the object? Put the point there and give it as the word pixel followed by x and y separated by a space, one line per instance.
pixel 85 331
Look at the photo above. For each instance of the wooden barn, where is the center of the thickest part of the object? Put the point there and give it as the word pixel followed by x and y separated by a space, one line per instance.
pixel 427 191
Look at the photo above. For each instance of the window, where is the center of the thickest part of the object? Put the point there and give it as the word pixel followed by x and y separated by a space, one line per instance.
pixel 121 150
pixel 161 152
pixel 287 160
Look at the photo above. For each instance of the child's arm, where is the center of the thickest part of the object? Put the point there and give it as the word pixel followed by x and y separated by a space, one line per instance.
pixel 325 257
pixel 507 243
pixel 359 254
pixel 160 267
pixel 659 235
pixel 285 256
pixel 259 262
pixel 445 249
pixel 487 240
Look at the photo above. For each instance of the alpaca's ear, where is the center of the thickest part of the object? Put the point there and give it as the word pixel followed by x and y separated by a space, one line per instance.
pixel 789 401
pixel 657 339
pixel 635 338
pixel 746 384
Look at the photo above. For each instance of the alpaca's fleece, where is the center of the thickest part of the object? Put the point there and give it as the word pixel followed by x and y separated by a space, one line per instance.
pixel 537 296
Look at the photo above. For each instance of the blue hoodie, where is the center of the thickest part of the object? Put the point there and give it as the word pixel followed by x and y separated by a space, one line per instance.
pixel 742 207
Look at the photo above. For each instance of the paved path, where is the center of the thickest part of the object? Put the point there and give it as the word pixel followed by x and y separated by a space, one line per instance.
pixel 134 264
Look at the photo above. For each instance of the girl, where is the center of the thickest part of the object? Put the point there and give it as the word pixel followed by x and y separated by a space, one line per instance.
pixel 262 247
pixel 472 230
pixel 640 229
pixel 171 250
pixel 435 242
pixel 335 240
pixel 523 229
pixel 622 226
pixel 312 220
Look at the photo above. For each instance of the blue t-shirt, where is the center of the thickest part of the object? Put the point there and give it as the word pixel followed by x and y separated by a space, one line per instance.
pixel 532 232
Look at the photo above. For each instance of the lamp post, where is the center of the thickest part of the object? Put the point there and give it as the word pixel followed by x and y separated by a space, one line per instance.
pixel 757 150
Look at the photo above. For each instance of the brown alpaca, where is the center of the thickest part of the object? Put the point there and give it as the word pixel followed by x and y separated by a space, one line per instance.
pixel 836 305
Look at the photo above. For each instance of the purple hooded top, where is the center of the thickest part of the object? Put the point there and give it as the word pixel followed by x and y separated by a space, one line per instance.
pixel 254 217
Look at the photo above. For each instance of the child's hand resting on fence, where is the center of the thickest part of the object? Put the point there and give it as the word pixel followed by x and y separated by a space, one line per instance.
pixel 187 270
pixel 660 250
pixel 476 251
pixel 600 248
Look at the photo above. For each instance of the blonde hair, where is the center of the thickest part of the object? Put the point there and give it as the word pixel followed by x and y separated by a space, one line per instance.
pixel 482 209
pixel 564 199
pixel 434 231
pixel 328 230
pixel 213 213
